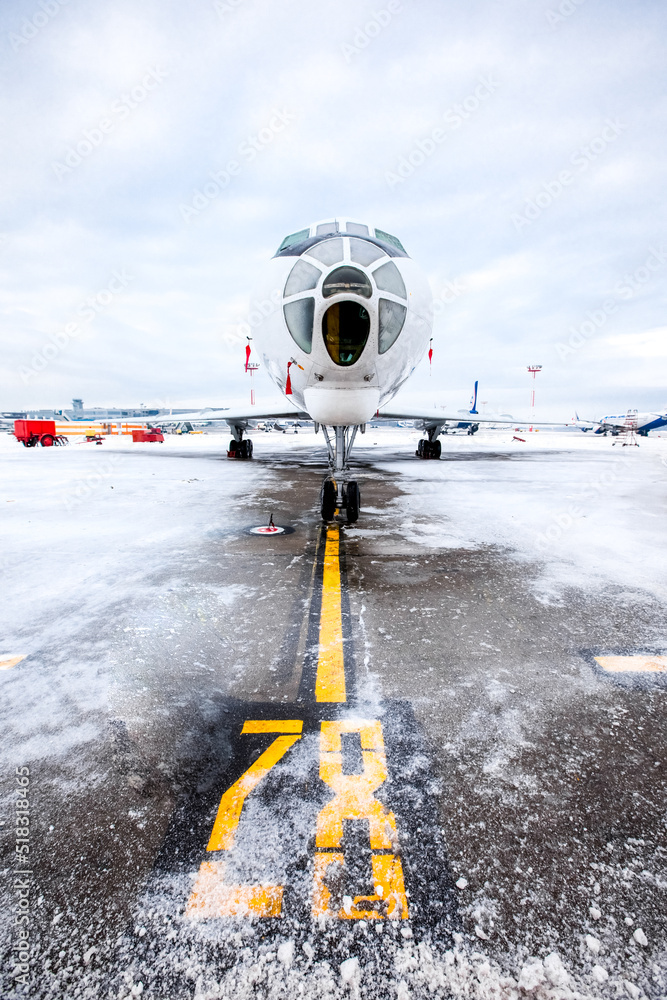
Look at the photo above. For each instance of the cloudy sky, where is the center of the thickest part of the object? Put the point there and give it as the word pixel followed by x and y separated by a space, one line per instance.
pixel 516 147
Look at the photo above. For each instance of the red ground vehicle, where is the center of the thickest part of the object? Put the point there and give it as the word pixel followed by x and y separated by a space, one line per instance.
pixel 34 432
pixel 149 434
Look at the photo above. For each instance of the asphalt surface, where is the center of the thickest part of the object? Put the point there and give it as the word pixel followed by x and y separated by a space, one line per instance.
pixel 526 785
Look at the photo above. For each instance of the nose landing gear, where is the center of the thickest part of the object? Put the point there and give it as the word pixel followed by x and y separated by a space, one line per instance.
pixel 339 493
pixel 346 498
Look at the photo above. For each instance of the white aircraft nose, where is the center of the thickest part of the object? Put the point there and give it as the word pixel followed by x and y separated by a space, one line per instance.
pixel 341 406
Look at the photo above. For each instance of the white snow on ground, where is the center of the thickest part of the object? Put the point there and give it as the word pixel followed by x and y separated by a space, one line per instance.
pixel 585 512
pixel 589 512
pixel 417 971
pixel 83 530
pixel 83 522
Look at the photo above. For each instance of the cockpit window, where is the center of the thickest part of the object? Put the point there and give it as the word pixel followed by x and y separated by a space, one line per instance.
pixel 329 252
pixel 302 276
pixel 307 244
pixel 388 279
pixel 299 318
pixel 289 241
pixel 347 279
pixel 345 329
pixel 326 228
pixel 392 318
pixel 362 252
pixel 388 238
pixel 356 229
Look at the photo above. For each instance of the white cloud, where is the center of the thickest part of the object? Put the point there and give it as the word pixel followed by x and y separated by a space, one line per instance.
pixel 353 121
pixel 640 346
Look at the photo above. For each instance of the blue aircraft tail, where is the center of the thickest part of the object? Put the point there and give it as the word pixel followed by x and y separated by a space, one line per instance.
pixel 473 401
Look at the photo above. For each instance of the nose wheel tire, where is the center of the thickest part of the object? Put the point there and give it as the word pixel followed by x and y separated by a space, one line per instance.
pixel 353 502
pixel 329 499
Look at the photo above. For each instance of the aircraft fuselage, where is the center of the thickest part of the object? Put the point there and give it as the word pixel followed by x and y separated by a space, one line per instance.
pixel 351 317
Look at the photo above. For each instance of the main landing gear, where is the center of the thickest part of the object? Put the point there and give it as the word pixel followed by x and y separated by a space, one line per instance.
pixel 429 449
pixel 240 449
pixel 339 492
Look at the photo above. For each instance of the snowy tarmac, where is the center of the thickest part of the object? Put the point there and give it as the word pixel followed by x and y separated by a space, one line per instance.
pixel 501 796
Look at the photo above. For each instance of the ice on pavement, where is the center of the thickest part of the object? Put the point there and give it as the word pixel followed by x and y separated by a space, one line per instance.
pixel 592 517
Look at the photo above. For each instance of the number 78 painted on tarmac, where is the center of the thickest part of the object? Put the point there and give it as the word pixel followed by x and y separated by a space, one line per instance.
pixel 354 799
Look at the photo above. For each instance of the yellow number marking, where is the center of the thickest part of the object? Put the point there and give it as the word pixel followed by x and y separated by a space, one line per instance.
pixel 231 803
pixel 389 899
pixel 330 679
pixel 211 897
pixel 354 792
pixel 355 799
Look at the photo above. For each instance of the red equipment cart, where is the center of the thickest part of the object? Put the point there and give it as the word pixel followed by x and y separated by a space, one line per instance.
pixel 34 432
pixel 149 434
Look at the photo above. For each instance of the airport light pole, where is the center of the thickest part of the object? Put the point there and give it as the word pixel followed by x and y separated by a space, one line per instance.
pixel 533 369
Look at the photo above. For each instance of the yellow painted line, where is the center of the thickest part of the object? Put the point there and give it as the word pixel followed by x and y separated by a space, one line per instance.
pixel 330 679
pixel 633 664
pixel 231 803
pixel 7 662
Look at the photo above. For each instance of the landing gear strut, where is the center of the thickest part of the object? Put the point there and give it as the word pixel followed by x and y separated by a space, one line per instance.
pixel 339 492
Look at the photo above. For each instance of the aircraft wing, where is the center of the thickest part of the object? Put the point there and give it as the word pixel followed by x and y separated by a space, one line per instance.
pixel 233 415
pixel 430 417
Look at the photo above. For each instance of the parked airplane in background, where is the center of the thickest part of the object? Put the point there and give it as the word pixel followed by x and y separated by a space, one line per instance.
pixel 641 423
pixel 346 317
